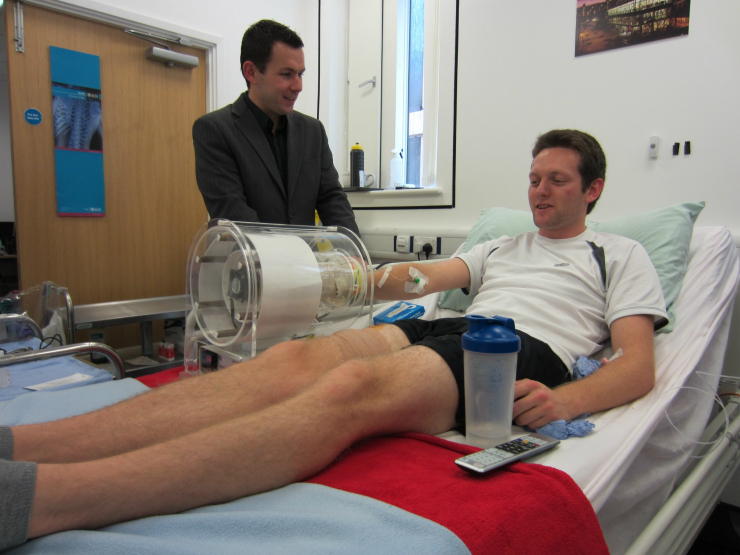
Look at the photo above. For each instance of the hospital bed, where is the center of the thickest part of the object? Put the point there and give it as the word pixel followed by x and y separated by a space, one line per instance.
pixel 654 470
pixel 642 472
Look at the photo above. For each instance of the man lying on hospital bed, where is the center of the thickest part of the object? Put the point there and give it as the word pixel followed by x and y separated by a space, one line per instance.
pixel 288 413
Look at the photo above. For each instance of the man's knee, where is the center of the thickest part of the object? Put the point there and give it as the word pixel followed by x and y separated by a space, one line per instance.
pixel 296 357
pixel 415 372
pixel 350 382
pixel 365 343
pixel 413 391
pixel 294 348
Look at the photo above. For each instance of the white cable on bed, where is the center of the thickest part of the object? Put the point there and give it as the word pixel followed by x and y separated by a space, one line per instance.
pixel 715 443
pixel 705 475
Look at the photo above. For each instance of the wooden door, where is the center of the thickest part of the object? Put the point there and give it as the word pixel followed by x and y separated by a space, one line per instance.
pixel 153 207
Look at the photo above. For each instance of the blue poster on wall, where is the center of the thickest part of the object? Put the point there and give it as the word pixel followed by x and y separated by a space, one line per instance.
pixel 78 133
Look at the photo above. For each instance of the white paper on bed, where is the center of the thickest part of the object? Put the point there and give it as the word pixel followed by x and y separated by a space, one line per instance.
pixel 628 464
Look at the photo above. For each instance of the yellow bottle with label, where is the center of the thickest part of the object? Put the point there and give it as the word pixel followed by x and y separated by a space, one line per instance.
pixel 357 166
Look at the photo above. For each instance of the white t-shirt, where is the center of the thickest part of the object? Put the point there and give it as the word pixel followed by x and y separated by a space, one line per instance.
pixel 554 291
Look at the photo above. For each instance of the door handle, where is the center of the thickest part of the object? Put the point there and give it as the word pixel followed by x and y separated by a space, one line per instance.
pixel 367 83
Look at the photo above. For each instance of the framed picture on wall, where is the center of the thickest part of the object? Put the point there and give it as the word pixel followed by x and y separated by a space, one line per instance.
pixel 78 133
pixel 609 24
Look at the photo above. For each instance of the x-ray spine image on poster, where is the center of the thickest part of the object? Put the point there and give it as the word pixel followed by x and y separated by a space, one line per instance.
pixel 78 132
pixel 77 117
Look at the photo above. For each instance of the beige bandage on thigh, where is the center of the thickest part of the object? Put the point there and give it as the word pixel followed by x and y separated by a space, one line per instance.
pixel 361 343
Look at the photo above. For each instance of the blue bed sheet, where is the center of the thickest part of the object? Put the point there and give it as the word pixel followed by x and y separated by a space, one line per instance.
pixel 300 518
pixel 34 373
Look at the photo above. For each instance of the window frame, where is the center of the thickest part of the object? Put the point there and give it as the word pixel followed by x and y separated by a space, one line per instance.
pixel 440 106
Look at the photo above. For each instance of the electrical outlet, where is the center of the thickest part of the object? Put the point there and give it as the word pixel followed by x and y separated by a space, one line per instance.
pixel 420 241
pixel 403 243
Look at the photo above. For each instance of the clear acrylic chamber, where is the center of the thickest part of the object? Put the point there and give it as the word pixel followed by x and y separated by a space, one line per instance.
pixel 250 286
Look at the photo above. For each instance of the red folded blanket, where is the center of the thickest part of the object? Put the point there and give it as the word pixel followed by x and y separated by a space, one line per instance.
pixel 520 509
pixel 161 378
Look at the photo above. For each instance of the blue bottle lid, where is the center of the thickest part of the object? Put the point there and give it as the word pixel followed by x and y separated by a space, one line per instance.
pixel 491 335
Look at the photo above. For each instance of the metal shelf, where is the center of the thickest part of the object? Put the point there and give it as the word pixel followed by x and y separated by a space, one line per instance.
pixel 102 315
pixel 138 311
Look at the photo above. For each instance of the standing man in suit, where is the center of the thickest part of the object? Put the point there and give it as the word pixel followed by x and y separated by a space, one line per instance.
pixel 257 159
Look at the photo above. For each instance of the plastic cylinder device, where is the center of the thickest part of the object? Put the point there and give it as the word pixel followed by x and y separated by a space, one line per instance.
pixel 251 285
pixel 490 348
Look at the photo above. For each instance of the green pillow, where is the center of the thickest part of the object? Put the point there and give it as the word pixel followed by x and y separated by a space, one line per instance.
pixel 492 224
pixel 665 233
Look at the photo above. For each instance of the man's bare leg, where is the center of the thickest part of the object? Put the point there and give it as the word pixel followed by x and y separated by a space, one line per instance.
pixel 411 390
pixel 192 404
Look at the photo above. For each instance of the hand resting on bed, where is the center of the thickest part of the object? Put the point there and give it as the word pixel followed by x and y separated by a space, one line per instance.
pixel 623 380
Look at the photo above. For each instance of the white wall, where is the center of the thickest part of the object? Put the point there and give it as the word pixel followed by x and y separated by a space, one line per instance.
pixel 518 77
pixel 229 19
pixel 7 210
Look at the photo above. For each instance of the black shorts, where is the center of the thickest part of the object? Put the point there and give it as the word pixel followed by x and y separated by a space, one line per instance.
pixel 535 361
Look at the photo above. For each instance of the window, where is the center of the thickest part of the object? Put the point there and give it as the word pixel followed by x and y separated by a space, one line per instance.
pixel 416 100
pixel 415 96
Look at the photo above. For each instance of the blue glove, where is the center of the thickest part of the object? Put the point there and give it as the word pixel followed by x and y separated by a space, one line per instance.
pixel 560 429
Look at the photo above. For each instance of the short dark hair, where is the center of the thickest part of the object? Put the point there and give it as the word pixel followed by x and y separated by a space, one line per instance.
pixel 260 37
pixel 592 162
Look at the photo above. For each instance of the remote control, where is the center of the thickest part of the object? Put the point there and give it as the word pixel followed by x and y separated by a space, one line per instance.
pixel 514 450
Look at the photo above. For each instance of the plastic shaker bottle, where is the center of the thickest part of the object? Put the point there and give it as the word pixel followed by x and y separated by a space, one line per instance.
pixel 490 350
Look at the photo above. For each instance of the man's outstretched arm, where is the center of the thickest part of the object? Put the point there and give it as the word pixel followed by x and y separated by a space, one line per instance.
pixel 625 379
pixel 390 281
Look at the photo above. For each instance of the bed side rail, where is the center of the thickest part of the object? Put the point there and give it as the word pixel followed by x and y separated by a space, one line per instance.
pixel 22 319
pixel 67 350
pixel 69 305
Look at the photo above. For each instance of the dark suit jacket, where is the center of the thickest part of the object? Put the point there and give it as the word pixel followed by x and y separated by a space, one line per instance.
pixel 239 179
